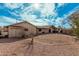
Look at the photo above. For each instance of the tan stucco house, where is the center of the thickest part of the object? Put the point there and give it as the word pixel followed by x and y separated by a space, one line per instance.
pixel 26 29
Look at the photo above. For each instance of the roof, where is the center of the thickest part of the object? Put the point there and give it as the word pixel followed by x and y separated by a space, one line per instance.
pixel 20 23
pixel 30 24
pixel 43 26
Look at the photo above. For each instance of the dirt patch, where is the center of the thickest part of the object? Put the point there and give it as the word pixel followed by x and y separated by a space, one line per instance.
pixel 44 45
pixel 55 39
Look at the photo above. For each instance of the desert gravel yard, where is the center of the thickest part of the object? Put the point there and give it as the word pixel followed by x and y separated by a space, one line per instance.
pixel 44 45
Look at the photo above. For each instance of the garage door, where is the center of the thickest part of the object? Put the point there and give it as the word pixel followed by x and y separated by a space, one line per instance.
pixel 15 33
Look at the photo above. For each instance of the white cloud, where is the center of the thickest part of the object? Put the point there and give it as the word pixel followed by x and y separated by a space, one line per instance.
pixel 8 20
pixel 60 4
pixel 45 10
pixel 39 23
pixel 13 5
pixel 48 9
pixel 36 5
pixel 32 19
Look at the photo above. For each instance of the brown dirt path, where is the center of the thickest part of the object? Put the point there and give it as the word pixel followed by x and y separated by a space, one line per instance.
pixel 44 45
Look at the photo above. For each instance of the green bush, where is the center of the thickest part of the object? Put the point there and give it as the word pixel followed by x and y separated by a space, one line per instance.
pixel 76 30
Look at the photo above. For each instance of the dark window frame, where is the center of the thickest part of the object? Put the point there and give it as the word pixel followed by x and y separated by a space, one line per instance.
pixel 25 29
pixel 43 32
pixel 40 29
pixel 49 30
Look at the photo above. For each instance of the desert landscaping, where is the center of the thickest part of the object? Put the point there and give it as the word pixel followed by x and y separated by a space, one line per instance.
pixel 43 45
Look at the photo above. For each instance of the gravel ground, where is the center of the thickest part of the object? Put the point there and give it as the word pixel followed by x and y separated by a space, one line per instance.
pixel 44 45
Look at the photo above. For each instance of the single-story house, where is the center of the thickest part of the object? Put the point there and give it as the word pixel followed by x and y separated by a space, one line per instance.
pixel 25 29
pixel 44 29
pixel 3 32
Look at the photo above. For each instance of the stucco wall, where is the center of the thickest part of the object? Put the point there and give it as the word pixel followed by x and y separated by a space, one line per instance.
pixel 44 30
pixel 20 31
pixel 15 32
pixel 31 28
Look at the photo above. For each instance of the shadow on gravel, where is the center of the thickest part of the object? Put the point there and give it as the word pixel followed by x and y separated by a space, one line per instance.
pixel 9 40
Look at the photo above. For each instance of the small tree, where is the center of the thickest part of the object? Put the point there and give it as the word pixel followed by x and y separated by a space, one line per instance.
pixel 76 27
pixel 32 41
pixel 30 45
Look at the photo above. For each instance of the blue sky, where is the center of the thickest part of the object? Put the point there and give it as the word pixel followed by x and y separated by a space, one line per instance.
pixel 42 14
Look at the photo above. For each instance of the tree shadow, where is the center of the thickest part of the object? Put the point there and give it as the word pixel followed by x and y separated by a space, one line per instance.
pixel 30 49
pixel 9 40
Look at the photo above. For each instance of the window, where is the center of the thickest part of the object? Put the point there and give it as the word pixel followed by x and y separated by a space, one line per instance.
pixel 26 29
pixel 0 32
pixel 39 29
pixel 49 30
pixel 43 32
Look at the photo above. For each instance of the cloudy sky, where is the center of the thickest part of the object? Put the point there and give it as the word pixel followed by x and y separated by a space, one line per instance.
pixel 38 14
